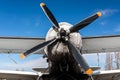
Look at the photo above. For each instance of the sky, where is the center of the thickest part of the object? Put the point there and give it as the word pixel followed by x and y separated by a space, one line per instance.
pixel 25 18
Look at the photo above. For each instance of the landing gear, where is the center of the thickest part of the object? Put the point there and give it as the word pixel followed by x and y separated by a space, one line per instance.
pixel 59 71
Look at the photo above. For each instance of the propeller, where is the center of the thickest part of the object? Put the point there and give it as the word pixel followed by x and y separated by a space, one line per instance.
pixel 28 52
pixel 79 58
pixel 85 22
pixel 63 33
pixel 50 16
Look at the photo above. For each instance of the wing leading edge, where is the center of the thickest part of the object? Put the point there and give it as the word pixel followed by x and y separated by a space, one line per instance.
pixel 101 44
pixel 107 75
pixel 90 44
pixel 18 44
pixel 18 75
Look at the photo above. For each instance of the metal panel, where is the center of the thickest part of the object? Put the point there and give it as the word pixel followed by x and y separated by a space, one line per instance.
pixel 17 75
pixel 101 44
pixel 107 75
pixel 18 45
pixel 90 44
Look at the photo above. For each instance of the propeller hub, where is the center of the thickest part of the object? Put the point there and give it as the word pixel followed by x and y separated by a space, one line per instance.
pixel 62 34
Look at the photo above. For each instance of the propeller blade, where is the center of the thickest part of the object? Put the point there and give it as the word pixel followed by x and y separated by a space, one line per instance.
pixel 50 16
pixel 23 55
pixel 79 58
pixel 85 22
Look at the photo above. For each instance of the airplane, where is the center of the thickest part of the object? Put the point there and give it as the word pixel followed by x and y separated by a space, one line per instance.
pixel 63 48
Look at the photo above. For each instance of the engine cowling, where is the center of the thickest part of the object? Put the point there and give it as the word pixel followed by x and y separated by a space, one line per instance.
pixel 74 38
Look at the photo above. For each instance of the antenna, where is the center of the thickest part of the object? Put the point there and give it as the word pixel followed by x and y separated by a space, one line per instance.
pixel 11 58
pixel 14 61
pixel 98 59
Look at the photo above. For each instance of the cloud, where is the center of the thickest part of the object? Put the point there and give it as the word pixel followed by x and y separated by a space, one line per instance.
pixel 92 59
pixel 28 65
pixel 40 62
pixel 37 23
pixel 109 12
pixel 103 23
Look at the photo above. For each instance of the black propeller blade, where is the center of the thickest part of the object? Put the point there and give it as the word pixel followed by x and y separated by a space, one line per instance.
pixel 85 22
pixel 79 58
pixel 23 55
pixel 74 52
pixel 50 16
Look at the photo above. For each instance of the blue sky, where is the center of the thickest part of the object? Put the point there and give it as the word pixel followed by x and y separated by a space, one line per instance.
pixel 25 18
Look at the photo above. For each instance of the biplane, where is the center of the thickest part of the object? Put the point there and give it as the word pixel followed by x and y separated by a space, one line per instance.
pixel 63 47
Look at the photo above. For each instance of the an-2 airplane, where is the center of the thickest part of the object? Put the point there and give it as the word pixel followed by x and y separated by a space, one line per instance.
pixel 63 49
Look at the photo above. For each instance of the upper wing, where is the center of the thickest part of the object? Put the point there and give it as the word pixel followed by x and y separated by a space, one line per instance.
pixel 107 75
pixel 101 44
pixel 90 44
pixel 18 45
pixel 18 75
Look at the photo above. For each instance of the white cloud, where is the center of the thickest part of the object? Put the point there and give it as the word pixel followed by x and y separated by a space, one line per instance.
pixel 103 23
pixel 37 23
pixel 28 65
pixel 109 12
pixel 40 62
pixel 92 59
